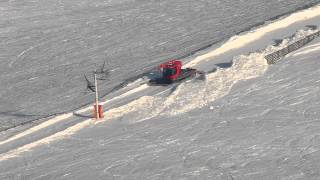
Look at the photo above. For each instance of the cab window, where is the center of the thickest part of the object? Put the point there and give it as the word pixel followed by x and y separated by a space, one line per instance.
pixel 169 72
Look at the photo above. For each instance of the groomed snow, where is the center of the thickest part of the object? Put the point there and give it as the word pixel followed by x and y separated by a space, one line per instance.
pixel 47 46
pixel 247 121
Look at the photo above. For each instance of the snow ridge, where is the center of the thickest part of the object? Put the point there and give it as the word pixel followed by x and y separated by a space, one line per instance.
pixel 242 40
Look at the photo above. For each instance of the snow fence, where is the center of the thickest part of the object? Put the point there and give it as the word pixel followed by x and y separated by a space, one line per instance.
pixel 276 56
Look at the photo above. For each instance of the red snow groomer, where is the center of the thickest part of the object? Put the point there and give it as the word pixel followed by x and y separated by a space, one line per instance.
pixel 172 72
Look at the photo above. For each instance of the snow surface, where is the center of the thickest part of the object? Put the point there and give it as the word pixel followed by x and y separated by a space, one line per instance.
pixel 48 45
pixel 246 121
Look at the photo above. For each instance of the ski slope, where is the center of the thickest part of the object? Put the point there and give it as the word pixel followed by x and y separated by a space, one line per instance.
pixel 246 121
pixel 47 46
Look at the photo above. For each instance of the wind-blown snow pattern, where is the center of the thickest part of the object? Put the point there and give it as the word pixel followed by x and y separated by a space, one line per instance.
pixel 245 121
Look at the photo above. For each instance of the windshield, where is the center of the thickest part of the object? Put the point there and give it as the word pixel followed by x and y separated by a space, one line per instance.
pixel 168 72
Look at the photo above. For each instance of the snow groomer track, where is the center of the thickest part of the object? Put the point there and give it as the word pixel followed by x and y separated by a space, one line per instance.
pixel 248 120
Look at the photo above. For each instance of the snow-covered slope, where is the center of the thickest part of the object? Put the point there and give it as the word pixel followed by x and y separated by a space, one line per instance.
pixel 246 121
pixel 47 45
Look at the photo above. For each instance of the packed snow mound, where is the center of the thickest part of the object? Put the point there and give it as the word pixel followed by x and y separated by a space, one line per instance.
pixel 190 96
pixel 195 94
pixel 300 34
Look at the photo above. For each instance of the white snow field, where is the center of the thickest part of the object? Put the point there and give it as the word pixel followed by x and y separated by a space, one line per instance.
pixel 247 120
pixel 46 46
